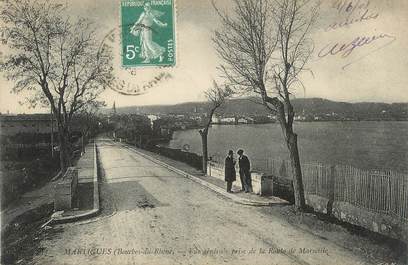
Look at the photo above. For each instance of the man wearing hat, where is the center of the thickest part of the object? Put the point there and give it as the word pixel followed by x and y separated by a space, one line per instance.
pixel 245 171
pixel 230 174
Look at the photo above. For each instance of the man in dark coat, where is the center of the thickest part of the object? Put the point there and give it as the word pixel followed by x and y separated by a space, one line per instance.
pixel 245 171
pixel 230 174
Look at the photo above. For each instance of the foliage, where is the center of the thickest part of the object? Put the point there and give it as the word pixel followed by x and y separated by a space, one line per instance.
pixel 54 60
pixel 216 96
pixel 265 46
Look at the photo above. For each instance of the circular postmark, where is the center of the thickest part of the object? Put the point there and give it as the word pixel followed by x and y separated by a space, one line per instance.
pixel 132 81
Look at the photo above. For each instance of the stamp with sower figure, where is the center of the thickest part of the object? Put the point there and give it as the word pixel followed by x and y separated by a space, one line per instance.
pixel 148 34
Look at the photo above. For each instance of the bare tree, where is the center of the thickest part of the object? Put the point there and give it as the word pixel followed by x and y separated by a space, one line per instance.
pixel 216 96
pixel 55 60
pixel 87 120
pixel 265 46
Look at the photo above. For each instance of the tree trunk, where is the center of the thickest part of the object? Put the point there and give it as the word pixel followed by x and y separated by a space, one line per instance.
pixel 205 151
pixel 291 141
pixel 65 153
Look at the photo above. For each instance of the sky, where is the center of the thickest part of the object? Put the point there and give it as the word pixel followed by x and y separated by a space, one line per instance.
pixel 374 72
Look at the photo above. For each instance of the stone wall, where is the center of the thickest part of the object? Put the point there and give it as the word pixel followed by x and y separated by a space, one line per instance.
pixel 377 222
pixel 283 188
pixel 65 190
pixel 260 184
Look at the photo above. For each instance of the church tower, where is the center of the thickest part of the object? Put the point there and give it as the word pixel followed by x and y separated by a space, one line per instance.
pixel 114 108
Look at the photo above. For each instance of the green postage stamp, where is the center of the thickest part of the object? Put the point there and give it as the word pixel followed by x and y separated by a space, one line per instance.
pixel 148 34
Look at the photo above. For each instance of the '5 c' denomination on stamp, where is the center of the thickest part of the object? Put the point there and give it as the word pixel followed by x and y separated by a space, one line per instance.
pixel 148 33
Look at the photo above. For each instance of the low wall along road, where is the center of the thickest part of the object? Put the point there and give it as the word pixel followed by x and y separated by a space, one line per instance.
pixel 377 201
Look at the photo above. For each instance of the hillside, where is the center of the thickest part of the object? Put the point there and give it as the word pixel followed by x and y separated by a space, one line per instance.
pixel 305 106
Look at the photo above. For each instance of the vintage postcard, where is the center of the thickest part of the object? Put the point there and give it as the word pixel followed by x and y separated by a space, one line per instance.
pixel 268 132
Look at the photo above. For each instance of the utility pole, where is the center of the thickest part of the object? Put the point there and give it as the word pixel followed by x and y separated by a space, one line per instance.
pixel 82 144
pixel 52 134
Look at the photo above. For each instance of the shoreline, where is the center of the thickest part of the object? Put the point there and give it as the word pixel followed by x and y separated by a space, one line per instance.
pixel 368 145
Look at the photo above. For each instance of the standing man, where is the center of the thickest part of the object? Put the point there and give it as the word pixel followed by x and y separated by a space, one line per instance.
pixel 230 174
pixel 245 171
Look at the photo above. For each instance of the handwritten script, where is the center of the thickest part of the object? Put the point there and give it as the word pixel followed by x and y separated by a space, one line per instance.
pixel 349 13
pixel 352 12
pixel 345 49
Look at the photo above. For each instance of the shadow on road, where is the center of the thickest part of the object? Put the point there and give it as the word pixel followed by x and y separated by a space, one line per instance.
pixel 124 195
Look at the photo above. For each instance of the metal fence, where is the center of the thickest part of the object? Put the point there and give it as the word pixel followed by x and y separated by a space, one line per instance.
pixel 377 191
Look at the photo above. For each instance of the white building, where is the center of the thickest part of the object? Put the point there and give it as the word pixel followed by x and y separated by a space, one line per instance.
pixel 152 118
pixel 215 119
pixel 228 120
pixel 242 120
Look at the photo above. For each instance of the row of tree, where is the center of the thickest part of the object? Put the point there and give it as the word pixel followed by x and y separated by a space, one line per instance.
pixel 61 63
pixel 57 61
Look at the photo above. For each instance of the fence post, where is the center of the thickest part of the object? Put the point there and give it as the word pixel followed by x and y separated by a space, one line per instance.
pixel 331 186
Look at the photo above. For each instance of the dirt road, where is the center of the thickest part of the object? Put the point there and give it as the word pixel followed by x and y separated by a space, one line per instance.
pixel 151 215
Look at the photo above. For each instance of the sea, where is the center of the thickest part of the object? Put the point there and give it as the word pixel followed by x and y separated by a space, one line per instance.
pixel 369 145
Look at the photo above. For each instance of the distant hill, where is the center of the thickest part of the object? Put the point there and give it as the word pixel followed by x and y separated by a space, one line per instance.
pixel 309 107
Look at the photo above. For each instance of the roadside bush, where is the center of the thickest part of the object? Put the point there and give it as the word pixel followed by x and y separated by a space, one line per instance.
pixel 191 159
pixel 19 177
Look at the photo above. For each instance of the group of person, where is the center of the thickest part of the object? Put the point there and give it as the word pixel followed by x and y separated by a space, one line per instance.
pixel 244 171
